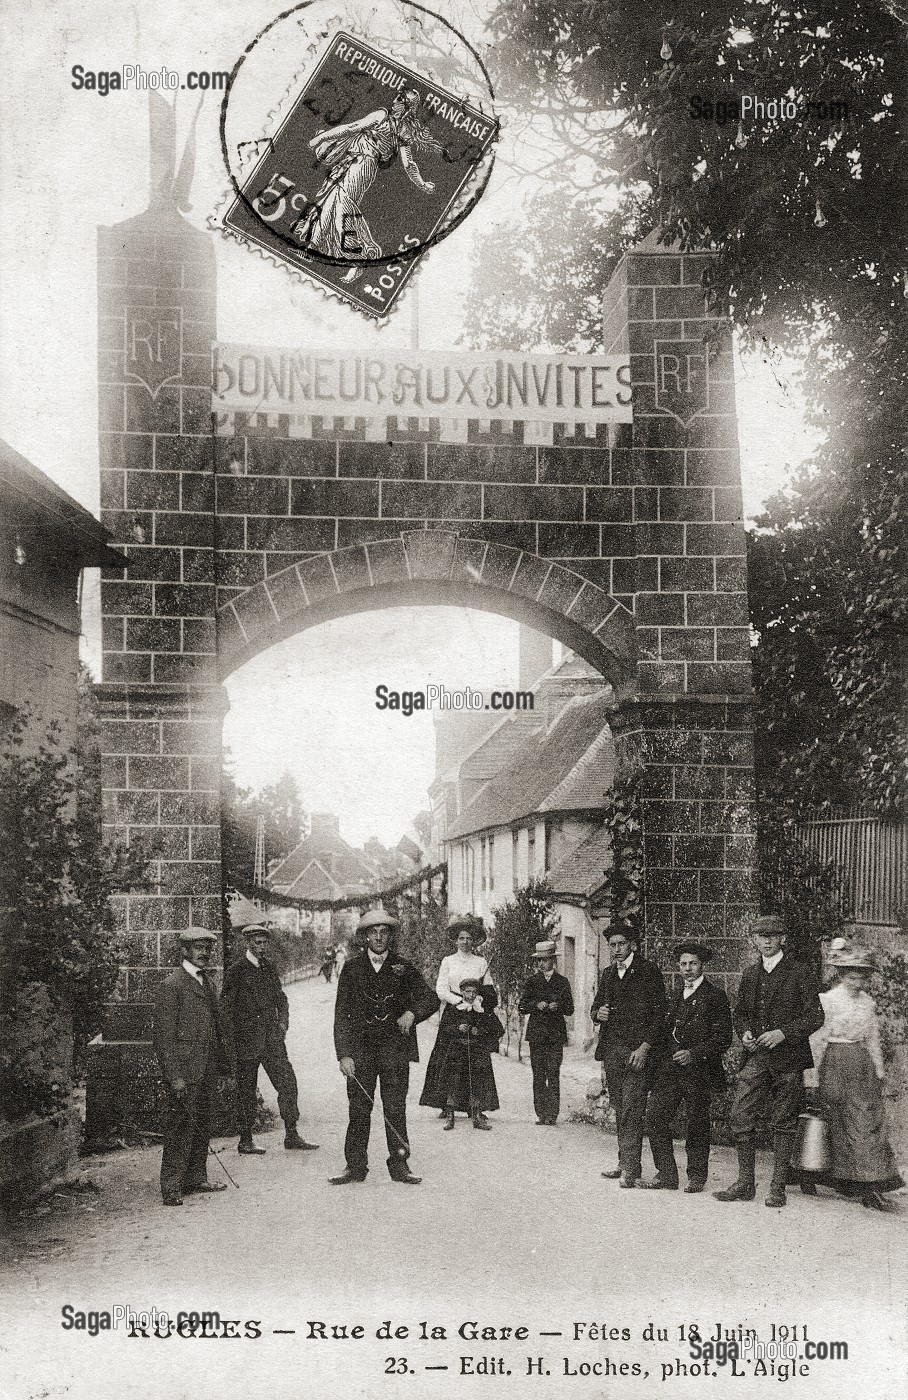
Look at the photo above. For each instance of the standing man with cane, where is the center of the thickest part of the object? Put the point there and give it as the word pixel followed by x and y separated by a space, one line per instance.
pixel 381 998
pixel 192 1051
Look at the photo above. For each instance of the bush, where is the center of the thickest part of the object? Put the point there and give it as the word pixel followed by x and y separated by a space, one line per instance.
pixel 59 954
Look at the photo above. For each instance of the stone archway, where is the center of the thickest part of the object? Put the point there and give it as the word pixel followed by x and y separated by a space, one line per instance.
pixel 432 567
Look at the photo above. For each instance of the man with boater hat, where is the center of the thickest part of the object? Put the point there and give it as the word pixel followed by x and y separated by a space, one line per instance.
pixel 629 1008
pixel 191 1047
pixel 688 1069
pixel 546 999
pixel 381 998
pixel 257 1015
pixel 777 1009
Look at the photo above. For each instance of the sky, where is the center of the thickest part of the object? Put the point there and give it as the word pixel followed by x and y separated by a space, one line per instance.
pixel 71 160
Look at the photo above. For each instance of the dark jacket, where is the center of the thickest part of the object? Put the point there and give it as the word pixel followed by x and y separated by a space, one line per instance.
pixel 702 1025
pixel 546 1027
pixel 253 1005
pixel 188 1029
pixel 484 1030
pixel 792 1006
pixel 637 1006
pixel 369 1003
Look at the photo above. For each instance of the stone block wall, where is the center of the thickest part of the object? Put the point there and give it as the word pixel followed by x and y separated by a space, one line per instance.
pixel 688 733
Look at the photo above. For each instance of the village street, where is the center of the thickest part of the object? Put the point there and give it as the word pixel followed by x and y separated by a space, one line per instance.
pixel 513 1228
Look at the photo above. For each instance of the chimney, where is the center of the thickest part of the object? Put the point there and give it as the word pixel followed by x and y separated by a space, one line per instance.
pixel 535 656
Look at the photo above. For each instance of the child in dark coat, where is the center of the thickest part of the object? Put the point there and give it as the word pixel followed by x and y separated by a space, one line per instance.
pixel 468 1033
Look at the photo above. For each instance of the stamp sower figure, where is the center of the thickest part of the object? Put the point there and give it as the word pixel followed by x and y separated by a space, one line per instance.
pixel 191 1047
pixel 546 998
pixel 354 153
pixel 777 1009
pixel 629 1007
pixel 381 998
pixel 257 1016
pixel 688 1068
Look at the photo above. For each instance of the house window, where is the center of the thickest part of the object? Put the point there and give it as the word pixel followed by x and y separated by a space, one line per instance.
pixel 491 863
pixel 531 853
pixel 515 853
pixel 548 846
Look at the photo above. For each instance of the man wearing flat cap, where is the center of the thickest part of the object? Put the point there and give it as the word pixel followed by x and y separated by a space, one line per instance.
pixel 192 1051
pixel 777 1009
pixel 629 1008
pixel 257 1015
pixel 381 998
pixel 688 1070
pixel 546 999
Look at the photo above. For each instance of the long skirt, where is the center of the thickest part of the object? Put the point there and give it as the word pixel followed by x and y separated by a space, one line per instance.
pixel 851 1094
pixel 451 1075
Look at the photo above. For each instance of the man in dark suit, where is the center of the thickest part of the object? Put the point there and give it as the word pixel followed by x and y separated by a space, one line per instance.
pixel 546 999
pixel 688 1069
pixel 777 1009
pixel 381 998
pixel 192 1051
pixel 629 1009
pixel 257 1015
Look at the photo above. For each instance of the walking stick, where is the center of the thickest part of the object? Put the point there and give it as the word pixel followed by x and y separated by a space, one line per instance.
pixel 473 1108
pixel 404 1149
pixel 212 1150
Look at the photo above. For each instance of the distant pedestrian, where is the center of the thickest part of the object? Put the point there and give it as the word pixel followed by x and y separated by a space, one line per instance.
pixel 629 1008
pixel 687 1068
pixel 257 1014
pixel 327 966
pixel 192 1050
pixel 777 1009
pixel 381 998
pixel 850 1076
pixel 547 1000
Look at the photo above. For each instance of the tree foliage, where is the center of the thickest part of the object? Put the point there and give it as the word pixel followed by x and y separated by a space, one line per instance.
pixel 805 217
pixel 518 925
pixel 281 807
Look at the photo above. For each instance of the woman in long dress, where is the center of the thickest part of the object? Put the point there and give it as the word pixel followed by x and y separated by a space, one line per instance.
pixel 463 962
pixel 354 152
pixel 846 1050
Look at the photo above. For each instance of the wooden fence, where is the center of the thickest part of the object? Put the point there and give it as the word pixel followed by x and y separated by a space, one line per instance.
pixel 870 857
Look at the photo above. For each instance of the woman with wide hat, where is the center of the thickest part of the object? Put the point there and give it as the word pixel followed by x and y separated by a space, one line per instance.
pixel 467 932
pixel 850 1072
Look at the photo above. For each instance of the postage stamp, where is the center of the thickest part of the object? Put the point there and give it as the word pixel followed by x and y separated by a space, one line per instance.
pixel 371 165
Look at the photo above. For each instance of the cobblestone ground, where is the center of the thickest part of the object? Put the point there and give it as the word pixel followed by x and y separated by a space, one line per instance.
pixel 511 1229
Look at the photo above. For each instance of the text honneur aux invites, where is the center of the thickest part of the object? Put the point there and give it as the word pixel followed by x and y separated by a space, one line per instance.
pixel 535 388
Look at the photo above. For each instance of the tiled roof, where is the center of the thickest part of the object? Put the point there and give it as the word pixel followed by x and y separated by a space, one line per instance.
pixel 88 536
pixel 570 767
pixel 583 871
pixel 340 863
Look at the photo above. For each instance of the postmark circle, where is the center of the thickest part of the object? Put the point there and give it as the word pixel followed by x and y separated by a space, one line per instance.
pixel 342 238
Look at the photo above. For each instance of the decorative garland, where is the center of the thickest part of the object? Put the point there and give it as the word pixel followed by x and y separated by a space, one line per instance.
pixel 355 901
